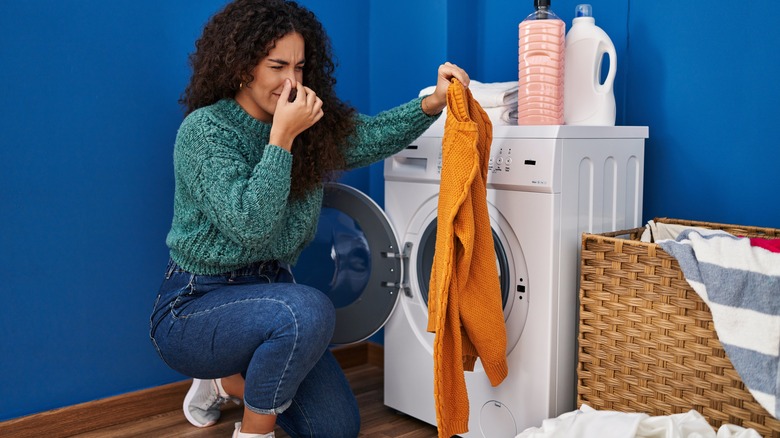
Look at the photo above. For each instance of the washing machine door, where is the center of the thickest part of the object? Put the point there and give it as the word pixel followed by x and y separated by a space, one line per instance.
pixel 354 259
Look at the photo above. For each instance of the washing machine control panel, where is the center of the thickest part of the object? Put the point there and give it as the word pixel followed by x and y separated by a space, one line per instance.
pixel 524 164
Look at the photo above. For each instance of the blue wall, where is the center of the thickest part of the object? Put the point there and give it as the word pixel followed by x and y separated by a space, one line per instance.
pixel 88 92
pixel 89 115
pixel 710 94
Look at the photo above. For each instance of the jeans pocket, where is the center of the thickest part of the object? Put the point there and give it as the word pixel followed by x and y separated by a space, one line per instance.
pixel 168 292
pixel 173 293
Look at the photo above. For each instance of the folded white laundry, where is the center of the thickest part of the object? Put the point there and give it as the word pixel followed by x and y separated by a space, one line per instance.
pixel 494 94
pixel 498 116
pixel 509 117
pixel 587 422
pixel 490 94
pixel 501 115
pixel 498 99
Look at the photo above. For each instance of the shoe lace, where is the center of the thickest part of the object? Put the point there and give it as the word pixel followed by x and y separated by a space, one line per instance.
pixel 221 400
pixel 215 399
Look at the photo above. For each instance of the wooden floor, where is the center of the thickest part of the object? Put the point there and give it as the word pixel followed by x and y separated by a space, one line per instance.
pixel 366 380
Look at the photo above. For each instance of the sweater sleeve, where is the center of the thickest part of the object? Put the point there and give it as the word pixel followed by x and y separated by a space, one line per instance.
pixel 378 137
pixel 244 202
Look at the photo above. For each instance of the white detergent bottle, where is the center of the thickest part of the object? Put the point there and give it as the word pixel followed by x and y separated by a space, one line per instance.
pixel 588 101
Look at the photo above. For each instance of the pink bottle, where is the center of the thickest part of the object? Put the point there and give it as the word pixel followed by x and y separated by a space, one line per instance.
pixel 541 64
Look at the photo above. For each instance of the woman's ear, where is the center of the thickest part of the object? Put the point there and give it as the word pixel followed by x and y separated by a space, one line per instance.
pixel 245 80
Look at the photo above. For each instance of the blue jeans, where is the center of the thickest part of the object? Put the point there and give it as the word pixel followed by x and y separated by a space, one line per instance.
pixel 258 322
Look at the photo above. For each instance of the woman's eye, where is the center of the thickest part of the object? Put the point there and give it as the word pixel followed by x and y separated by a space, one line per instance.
pixel 276 67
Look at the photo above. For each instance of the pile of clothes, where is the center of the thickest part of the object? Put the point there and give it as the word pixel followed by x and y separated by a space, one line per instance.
pixel 587 422
pixel 739 279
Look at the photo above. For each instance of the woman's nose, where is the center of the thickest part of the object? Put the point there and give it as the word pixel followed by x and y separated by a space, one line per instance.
pixel 290 74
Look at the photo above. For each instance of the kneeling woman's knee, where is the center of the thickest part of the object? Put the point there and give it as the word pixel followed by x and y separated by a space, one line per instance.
pixel 317 314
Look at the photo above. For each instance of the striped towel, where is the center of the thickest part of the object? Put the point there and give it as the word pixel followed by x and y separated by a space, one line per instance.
pixel 740 283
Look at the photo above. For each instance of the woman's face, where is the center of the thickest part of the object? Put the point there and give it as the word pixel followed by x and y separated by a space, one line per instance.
pixel 284 61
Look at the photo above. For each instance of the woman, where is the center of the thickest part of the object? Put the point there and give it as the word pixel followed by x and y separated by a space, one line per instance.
pixel 264 130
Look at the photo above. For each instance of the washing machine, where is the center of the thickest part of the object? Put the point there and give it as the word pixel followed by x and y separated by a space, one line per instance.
pixel 546 186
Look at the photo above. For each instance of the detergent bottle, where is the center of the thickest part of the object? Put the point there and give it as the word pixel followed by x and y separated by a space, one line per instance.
pixel 541 66
pixel 587 100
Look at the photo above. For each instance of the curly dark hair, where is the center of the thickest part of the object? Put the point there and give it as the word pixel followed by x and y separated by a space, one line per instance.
pixel 233 43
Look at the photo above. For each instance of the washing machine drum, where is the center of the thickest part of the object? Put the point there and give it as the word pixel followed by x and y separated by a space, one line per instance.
pixel 425 263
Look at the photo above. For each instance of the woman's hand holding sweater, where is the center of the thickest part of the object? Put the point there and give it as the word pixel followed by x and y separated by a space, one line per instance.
pixel 435 103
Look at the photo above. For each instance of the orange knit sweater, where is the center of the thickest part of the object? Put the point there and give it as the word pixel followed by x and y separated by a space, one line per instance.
pixel 464 304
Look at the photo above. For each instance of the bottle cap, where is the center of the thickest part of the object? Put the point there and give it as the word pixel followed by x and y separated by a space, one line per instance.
pixel 538 3
pixel 583 10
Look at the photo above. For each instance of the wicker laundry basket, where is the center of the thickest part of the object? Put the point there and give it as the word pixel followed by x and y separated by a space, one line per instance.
pixel 647 341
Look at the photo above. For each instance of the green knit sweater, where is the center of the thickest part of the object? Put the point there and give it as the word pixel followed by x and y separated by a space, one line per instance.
pixel 231 202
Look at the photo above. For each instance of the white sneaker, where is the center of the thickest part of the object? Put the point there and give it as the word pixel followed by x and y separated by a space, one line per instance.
pixel 238 434
pixel 202 402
